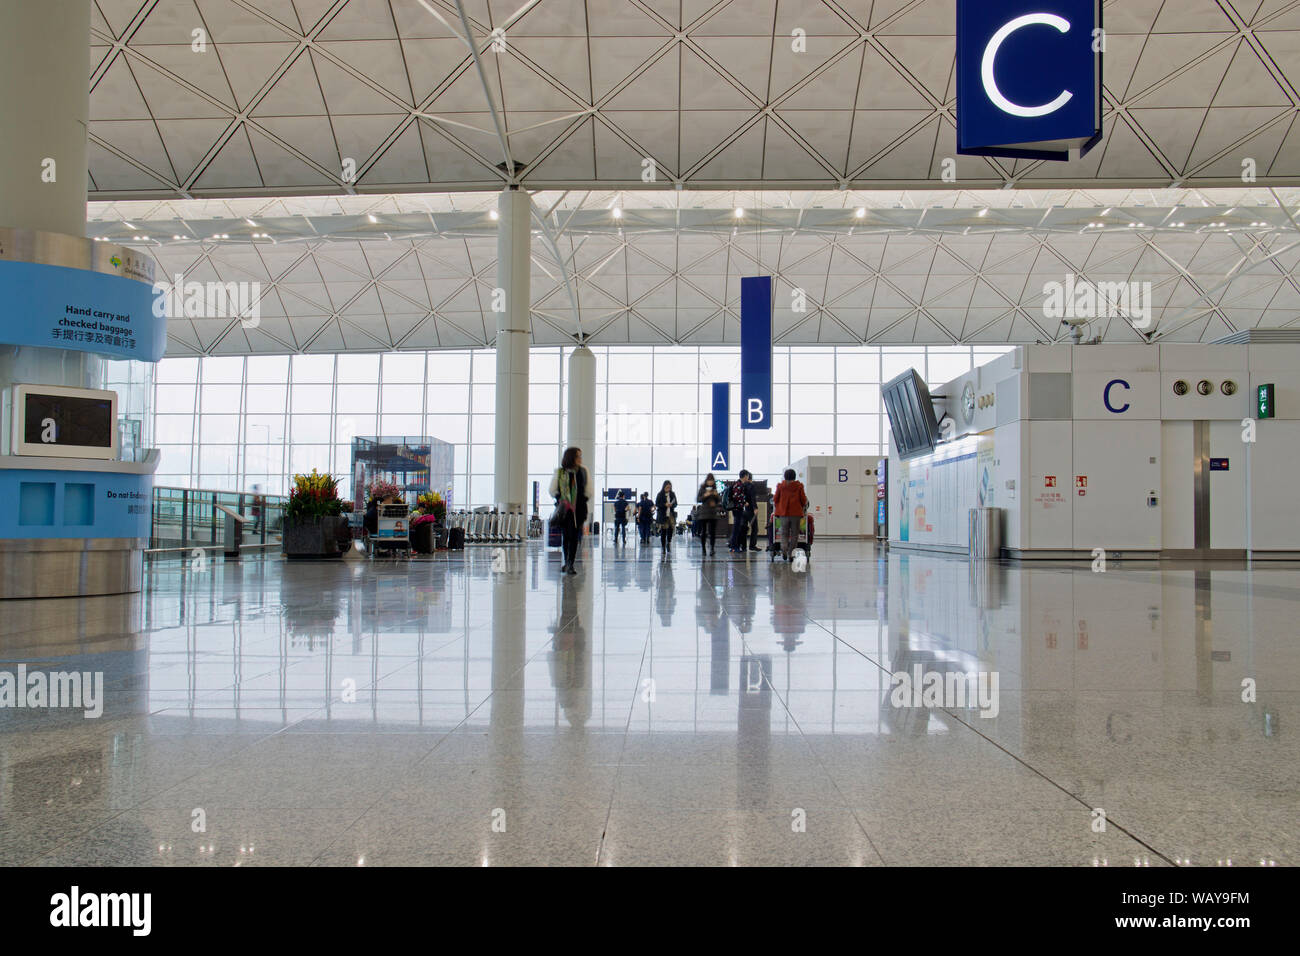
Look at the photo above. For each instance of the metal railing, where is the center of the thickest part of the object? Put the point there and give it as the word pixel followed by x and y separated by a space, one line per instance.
pixel 188 518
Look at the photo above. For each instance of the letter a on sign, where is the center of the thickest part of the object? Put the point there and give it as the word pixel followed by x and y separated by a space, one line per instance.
pixel 1028 78
pixel 756 351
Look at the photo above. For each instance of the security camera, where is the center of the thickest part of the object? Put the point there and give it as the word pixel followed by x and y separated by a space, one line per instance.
pixel 1075 323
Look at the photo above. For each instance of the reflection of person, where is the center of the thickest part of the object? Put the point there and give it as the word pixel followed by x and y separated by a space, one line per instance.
pixel 570 488
pixel 666 595
pixel 571 658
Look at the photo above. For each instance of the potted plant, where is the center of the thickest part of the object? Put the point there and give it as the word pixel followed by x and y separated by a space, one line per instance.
pixel 382 488
pixel 314 523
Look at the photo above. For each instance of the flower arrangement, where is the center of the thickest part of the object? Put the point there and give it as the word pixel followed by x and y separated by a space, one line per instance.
pixel 313 496
pixel 431 503
pixel 381 488
pixel 348 506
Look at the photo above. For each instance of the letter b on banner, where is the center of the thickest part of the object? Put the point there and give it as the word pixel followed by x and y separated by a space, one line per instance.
pixel 754 412
pixel 844 475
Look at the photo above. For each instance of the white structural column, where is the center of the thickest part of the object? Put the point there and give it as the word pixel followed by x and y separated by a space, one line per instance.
pixel 43 153
pixel 514 268
pixel 47 104
pixel 582 417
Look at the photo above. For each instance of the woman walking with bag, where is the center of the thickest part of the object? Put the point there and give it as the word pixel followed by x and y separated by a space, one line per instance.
pixel 570 489
pixel 706 515
pixel 666 508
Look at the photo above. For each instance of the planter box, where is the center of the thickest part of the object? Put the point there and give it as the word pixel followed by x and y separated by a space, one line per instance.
pixel 316 537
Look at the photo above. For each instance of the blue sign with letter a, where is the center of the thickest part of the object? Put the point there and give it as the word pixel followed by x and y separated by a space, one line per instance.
pixel 756 352
pixel 1028 77
pixel 721 427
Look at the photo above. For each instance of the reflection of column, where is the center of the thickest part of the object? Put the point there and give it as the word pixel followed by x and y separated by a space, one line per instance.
pixel 582 417
pixel 514 266
pixel 509 603
pixel 754 729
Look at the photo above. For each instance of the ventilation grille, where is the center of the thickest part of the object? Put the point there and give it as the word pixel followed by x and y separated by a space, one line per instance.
pixel 1261 337
pixel 816 474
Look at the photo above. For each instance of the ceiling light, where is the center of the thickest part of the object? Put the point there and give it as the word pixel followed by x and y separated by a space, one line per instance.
pixel 371 217
pixel 984 211
pixel 618 213
pixel 740 212
pixel 493 215
pixel 861 212
pixel 128 225
pixel 251 223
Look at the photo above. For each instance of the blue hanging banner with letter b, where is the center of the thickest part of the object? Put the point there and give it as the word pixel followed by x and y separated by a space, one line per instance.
pixel 756 352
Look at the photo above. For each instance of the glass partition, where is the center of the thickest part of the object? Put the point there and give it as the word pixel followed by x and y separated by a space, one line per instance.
pixel 186 518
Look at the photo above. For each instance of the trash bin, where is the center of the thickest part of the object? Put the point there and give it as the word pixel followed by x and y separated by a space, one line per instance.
pixel 986 533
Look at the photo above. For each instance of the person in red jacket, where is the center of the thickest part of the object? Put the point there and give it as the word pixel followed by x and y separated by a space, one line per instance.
pixel 791 505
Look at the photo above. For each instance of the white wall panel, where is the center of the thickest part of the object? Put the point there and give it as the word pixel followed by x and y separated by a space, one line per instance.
pixel 1049 495
pixel 1275 461
pixel 1117 460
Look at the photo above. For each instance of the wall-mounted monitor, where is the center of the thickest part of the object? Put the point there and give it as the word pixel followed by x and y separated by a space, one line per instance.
pixel 62 422
pixel 911 415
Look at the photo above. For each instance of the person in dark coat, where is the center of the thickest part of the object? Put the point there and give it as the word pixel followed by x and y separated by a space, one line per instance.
pixel 666 516
pixel 620 517
pixel 708 508
pixel 645 516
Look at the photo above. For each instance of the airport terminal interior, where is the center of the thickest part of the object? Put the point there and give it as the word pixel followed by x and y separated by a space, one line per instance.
pixel 933 368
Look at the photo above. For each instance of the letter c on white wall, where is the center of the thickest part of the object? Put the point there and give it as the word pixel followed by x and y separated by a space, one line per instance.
pixel 990 60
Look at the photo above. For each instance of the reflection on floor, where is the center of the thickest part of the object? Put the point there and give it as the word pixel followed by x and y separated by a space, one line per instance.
pixel 694 711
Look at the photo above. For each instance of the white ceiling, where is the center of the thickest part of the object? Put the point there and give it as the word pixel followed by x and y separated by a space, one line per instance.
pixel 585 90
pixel 417 271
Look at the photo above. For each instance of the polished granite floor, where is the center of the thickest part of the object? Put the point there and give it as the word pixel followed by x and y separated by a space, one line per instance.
pixel 481 709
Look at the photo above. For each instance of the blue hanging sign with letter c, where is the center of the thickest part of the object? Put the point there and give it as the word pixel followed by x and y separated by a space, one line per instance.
pixel 1029 77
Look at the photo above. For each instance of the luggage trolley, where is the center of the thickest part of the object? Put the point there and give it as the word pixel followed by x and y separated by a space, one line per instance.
pixel 802 543
pixel 394 530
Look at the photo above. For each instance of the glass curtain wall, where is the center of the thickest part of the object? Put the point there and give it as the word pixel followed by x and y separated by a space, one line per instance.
pixel 229 423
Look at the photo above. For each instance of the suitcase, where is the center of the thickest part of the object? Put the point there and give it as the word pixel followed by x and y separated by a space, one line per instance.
pixel 553 535
pixel 456 539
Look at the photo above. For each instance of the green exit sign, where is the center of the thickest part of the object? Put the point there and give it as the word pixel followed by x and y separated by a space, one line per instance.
pixel 1264 406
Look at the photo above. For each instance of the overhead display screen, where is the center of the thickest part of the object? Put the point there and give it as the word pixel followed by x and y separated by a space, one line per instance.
pixel 64 422
pixel 911 415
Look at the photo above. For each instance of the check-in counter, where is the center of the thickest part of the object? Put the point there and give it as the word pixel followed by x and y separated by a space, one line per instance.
pixel 73 527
